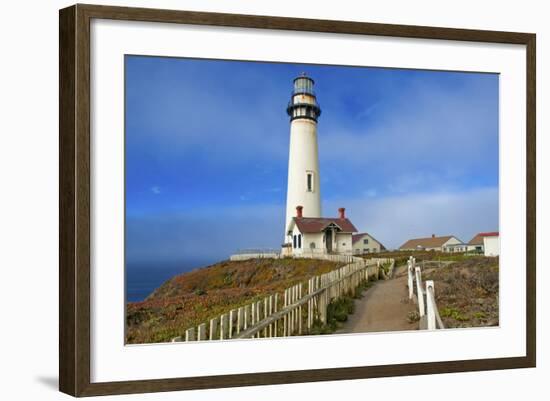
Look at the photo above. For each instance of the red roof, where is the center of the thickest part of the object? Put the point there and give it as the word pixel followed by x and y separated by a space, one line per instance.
pixel 318 224
pixel 478 239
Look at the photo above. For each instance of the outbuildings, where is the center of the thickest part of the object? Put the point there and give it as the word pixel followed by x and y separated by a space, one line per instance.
pixel 364 243
pixel 478 243
pixel 491 244
pixel 447 243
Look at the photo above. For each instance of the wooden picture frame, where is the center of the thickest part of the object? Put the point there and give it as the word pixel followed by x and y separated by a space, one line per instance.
pixel 74 199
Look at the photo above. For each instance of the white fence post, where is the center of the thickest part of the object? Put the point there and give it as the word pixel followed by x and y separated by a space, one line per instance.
pixel 410 278
pixel 300 309
pixel 213 328
pixel 232 315
pixel 190 334
pixel 240 313
pixel 201 332
pixel 276 300
pixel 431 306
pixel 258 315
pixel 224 320
pixel 246 316
pixel 266 314
pixel 419 290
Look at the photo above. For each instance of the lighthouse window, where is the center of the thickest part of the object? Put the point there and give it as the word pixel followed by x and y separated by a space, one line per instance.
pixel 303 85
pixel 294 242
pixel 309 181
pixel 299 240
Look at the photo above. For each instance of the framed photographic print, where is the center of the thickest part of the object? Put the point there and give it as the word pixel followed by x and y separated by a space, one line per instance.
pixel 250 200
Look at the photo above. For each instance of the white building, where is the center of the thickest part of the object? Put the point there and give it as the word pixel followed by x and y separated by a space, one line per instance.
pixel 491 244
pixel 364 243
pixel 477 243
pixel 320 235
pixel 446 243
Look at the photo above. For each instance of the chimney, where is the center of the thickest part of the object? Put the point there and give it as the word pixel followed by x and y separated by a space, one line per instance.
pixel 433 235
pixel 342 212
pixel 299 211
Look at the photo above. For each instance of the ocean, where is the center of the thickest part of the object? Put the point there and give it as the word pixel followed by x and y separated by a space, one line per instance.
pixel 142 278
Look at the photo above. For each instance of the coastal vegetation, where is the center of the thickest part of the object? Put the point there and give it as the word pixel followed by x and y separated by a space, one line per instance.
pixel 467 292
pixel 401 257
pixel 191 298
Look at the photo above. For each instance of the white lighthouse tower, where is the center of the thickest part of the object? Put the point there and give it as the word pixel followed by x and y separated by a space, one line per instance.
pixel 304 187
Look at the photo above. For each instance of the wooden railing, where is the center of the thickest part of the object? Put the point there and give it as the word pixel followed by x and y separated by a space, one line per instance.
pixel 294 311
pixel 424 297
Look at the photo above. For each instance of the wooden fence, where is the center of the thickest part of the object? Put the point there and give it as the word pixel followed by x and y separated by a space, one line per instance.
pixel 424 297
pixel 296 309
pixel 247 254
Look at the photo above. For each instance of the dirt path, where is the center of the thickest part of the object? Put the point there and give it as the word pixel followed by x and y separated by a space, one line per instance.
pixel 383 308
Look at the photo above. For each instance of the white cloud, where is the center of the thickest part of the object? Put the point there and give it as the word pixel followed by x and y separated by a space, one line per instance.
pixel 395 219
pixel 155 190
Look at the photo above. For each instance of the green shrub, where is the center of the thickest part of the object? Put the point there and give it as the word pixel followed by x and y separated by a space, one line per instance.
pixel 454 314
pixel 413 316
pixel 480 315
pixel 339 309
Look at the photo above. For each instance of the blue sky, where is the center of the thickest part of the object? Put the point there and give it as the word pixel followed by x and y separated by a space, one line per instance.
pixel 408 153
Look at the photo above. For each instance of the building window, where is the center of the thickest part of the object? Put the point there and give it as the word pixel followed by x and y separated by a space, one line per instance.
pixel 366 250
pixel 294 242
pixel 299 240
pixel 312 245
pixel 366 241
pixel 310 184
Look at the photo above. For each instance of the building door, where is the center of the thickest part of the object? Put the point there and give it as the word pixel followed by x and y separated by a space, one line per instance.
pixel 328 240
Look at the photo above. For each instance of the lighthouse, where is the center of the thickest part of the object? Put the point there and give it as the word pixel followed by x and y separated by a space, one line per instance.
pixel 304 184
